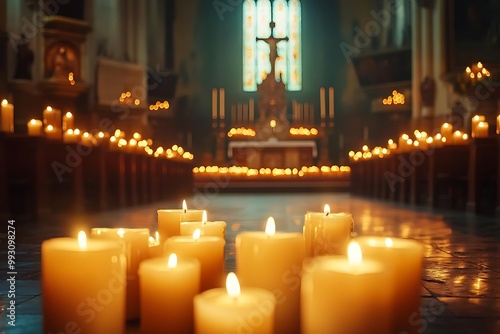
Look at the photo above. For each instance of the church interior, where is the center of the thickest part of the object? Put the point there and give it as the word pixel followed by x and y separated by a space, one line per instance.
pixel 250 166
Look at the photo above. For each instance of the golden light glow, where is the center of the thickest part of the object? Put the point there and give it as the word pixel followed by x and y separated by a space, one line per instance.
pixel 232 285
pixel 184 206
pixel 354 254
pixel 204 218
pixel 5 102
pixel 303 131
pixel 326 210
pixel 388 242
pixel 196 234
pixel 395 98
pixel 121 232
pixel 241 131
pixel 159 105
pixel 270 226
pixel 272 123
pixel 82 240
pixel 172 261
pixel 50 128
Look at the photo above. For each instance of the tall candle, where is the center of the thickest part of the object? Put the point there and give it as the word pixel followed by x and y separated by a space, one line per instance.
pixel 333 233
pixel 498 125
pixel 213 228
pixel 135 249
pixel 83 286
pixel 68 121
pixel 222 102
pixel 234 310
pixel 214 103
pixel 35 127
pixel 273 261
pixel 346 295
pixel 322 104
pixel 331 100
pixel 6 116
pixel 52 117
pixel 404 259
pixel 168 286
pixel 482 130
pixel 169 221
pixel 208 250
pixel 474 122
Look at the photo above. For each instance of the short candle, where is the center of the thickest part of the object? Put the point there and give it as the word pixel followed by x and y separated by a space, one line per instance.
pixel 169 221
pixel 213 228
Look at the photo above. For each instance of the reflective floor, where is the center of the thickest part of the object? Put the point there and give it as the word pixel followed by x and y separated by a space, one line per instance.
pixel 460 283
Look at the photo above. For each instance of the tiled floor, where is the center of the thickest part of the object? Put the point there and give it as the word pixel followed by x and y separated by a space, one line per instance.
pixel 460 285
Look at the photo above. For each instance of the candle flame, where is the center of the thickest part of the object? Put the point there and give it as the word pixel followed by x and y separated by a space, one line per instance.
pixel 232 285
pixel 204 217
pixel 184 206
pixel 151 241
pixel 82 240
pixel 157 236
pixel 196 234
pixel 172 261
pixel 270 226
pixel 69 115
pixel 5 102
pixel 388 242
pixel 326 210
pixel 33 121
pixel 120 232
pixel 354 254
pixel 50 128
pixel 273 123
pixel 49 108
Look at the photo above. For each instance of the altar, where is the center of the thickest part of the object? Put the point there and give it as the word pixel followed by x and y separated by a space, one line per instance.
pixel 273 153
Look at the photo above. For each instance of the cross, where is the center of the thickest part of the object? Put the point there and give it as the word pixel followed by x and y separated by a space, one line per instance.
pixel 272 41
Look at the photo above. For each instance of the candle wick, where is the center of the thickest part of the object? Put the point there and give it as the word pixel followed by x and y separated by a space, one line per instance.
pixel 327 214
pixel 185 210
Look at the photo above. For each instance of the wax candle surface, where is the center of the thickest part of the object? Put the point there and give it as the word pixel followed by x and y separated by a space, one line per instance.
pixel 169 221
pixel 273 261
pixel 68 121
pixel 339 296
pixel 83 289
pixel 333 234
pixel 251 310
pixel 167 292
pixel 6 117
pixel 474 122
pixel 208 250
pixel 135 243
pixel 35 127
pixel 403 257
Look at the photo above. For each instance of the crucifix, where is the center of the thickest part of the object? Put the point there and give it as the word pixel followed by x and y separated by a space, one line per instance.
pixel 272 41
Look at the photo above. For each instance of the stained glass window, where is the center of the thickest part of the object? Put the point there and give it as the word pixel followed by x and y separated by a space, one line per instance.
pixel 256 18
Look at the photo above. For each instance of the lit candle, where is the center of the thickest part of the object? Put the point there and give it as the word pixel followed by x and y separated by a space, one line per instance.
pixel 333 233
pixel 234 309
pixel 213 228
pixel 35 127
pixel 446 130
pixel 391 145
pixel 273 261
pixel 52 133
pixel 71 136
pixel 52 117
pixel 457 137
pixel 169 221
pixel 474 122
pixel 322 102
pixel 346 295
pixel 498 125
pixel 68 121
pixel 214 103
pixel 135 249
pixel 404 260
pixel 6 117
pixel 155 247
pixel 83 286
pixel 222 102
pixel 208 250
pixel 87 139
pixel 482 130
pixel 168 286
pixel 331 100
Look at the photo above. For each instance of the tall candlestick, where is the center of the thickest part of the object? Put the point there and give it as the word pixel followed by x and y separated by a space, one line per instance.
pixel 6 117
pixel 222 102
pixel 214 103
pixel 322 102
pixel 252 110
pixel 331 100
pixel 83 286
pixel 273 261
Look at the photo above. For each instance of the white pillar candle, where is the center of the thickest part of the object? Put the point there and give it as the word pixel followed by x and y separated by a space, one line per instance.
pixel 234 310
pixel 35 128
pixel 474 122
pixel 207 249
pixel 346 295
pixel 135 249
pixel 168 286
pixel 68 121
pixel 212 228
pixel 482 130
pixel 403 257
pixel 6 116
pixel 273 261
pixel 169 221
pixel 333 233
pixel 83 286
pixel 331 100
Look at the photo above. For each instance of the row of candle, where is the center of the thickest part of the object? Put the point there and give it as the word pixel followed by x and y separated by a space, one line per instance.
pixel 244 171
pixel 287 285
